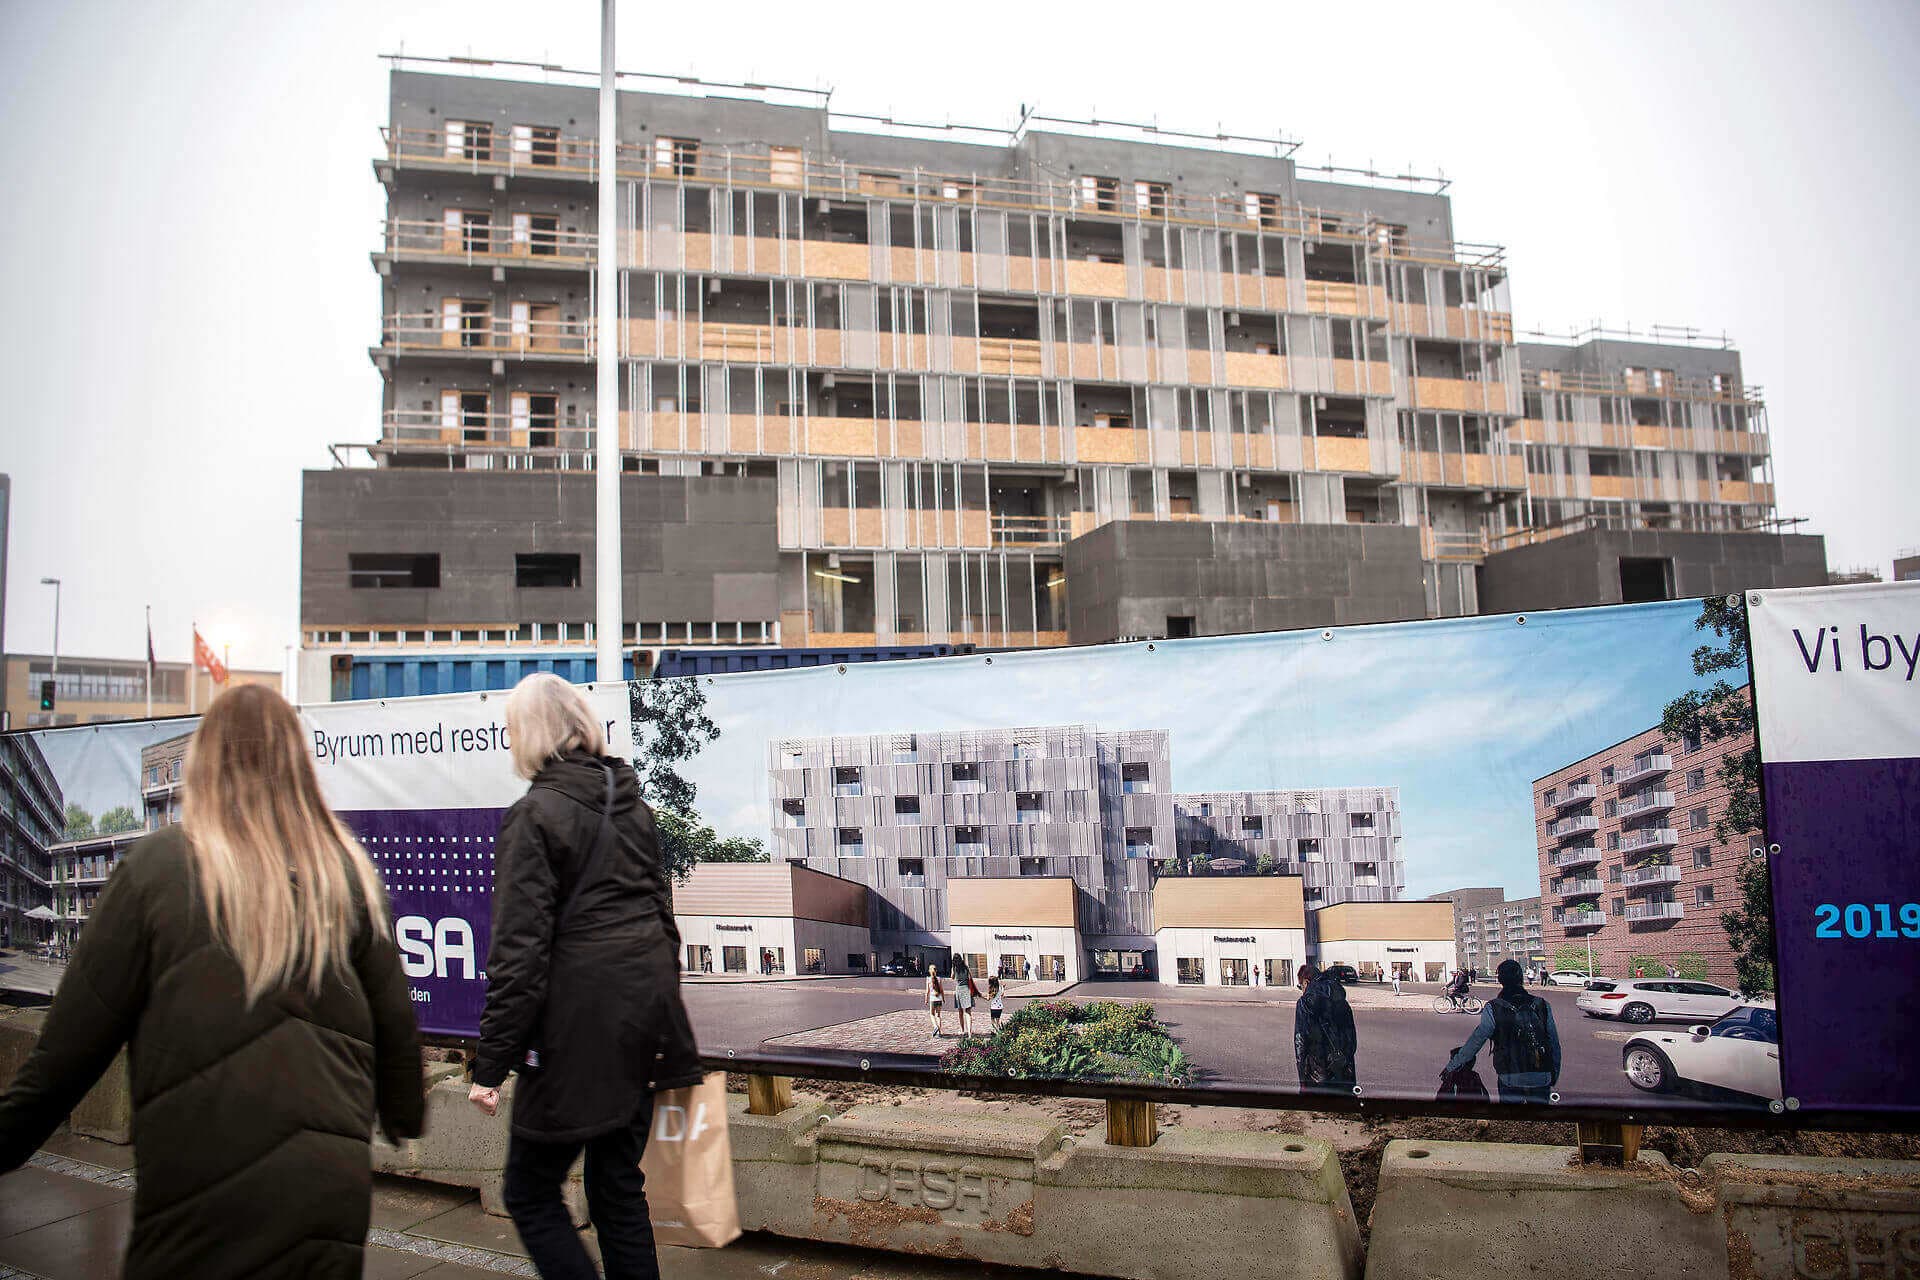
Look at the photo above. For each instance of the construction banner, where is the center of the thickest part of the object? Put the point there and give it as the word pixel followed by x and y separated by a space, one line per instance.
pixel 1477 863
pixel 1840 731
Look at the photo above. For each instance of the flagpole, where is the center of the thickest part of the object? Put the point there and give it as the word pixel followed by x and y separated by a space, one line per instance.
pixel 149 662
pixel 193 673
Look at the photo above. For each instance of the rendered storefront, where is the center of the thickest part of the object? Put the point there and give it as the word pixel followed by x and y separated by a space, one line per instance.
pixel 1023 928
pixel 1243 931
pixel 761 920
pixel 1378 938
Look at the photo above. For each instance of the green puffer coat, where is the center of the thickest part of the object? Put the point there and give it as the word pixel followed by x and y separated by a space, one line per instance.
pixel 250 1126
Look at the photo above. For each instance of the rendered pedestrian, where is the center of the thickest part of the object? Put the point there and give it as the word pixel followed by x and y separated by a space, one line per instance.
pixel 964 994
pixel 1526 1044
pixel 583 990
pixel 1324 1039
pixel 934 998
pixel 1396 979
pixel 246 958
pixel 996 1005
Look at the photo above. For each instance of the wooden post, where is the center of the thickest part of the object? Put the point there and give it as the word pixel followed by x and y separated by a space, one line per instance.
pixel 1131 1123
pixel 1609 1143
pixel 769 1095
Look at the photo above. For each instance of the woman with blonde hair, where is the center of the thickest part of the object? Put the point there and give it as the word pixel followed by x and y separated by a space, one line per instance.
pixel 583 986
pixel 245 958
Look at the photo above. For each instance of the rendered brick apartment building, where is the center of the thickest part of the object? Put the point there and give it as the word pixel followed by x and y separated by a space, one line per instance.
pixel 1629 863
pixel 32 820
pixel 889 384
pixel 907 814
pixel 1489 928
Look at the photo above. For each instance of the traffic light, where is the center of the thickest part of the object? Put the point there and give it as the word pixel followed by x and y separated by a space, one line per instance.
pixel 46 695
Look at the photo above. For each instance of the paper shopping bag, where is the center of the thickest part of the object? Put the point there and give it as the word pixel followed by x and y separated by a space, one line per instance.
pixel 688 1165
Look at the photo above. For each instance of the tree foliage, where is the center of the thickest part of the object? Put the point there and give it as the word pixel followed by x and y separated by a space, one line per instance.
pixel 116 820
pixel 79 823
pixel 1725 711
pixel 691 841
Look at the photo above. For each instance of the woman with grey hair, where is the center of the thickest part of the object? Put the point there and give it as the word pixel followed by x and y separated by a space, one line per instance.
pixel 583 986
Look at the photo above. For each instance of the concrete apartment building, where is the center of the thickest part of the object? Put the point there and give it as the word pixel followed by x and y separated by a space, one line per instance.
pixel 1487 928
pixel 32 820
pixel 1065 383
pixel 1906 565
pixel 913 816
pixel 1629 863
pixel 96 690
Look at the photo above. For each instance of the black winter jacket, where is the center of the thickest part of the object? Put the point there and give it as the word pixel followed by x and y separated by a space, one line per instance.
pixel 597 997
pixel 250 1126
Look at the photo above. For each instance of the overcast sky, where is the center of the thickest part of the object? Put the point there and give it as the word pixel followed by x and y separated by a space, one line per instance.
pixel 189 203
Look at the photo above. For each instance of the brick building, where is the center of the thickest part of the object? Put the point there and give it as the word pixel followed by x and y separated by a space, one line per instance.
pixel 1629 863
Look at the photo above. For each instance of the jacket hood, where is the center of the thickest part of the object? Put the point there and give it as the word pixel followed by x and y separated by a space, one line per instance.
pixel 581 778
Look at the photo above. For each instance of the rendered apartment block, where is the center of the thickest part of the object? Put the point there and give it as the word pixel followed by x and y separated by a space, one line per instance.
pixel 1488 928
pixel 32 820
pixel 904 813
pixel 1629 862
pixel 951 356
pixel 913 815
pixel 1344 843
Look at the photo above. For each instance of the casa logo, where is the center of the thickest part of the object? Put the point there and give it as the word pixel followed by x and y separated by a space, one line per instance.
pixel 436 948
pixel 675 1123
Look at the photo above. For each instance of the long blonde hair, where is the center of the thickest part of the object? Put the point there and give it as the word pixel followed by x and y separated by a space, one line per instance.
pixel 283 881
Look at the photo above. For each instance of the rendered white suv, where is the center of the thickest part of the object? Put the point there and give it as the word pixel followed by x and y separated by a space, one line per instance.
pixel 1739 1054
pixel 1643 1000
pixel 1566 978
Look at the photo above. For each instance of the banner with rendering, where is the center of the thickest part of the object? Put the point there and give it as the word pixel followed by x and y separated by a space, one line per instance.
pixel 1276 865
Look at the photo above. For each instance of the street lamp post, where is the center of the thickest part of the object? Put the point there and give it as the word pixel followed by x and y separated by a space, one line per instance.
pixel 55 584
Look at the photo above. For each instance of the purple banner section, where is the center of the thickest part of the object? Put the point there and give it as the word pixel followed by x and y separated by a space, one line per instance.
pixel 437 865
pixel 1846 892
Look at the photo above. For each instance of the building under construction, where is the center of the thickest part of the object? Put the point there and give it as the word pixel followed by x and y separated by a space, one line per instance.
pixel 1063 382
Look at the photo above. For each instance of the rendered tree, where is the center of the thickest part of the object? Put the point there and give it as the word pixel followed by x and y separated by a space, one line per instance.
pixel 79 823
pixel 671 727
pixel 694 841
pixel 116 820
pixel 1725 711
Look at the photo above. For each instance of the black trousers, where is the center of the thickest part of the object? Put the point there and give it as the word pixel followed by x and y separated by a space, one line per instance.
pixel 616 1200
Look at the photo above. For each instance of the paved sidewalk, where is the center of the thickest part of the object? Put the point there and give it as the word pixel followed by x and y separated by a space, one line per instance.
pixel 66 1217
pixel 22 972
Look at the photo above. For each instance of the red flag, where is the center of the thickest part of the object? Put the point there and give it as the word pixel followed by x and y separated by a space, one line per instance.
pixel 205 659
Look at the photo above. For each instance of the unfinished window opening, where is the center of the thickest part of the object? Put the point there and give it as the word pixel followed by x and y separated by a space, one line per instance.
pixel 1180 626
pixel 1150 198
pixel 467 230
pixel 382 571
pixel 536 144
pixel 546 569
pixel 1389 237
pixel 536 234
pixel 464 416
pixel 1263 209
pixel 679 157
pixel 1100 193
pixel 1340 417
pixel 1332 264
pixel 1607 464
pixel 1094 242
pixel 784 166
pixel 469 140
pixel 1644 578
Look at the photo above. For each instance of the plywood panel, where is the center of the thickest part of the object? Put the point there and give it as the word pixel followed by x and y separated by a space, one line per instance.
pixel 1335 453
pixel 838 261
pixel 1250 369
pixel 846 437
pixel 1097 279
pixel 1105 444
pixel 1036 901
pixel 1612 486
pixel 1386 922
pixel 1231 902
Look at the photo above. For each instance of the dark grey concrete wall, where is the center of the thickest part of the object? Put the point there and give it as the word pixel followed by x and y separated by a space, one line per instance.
pixel 1584 568
pixel 1607 357
pixel 1126 578
pixel 699 549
